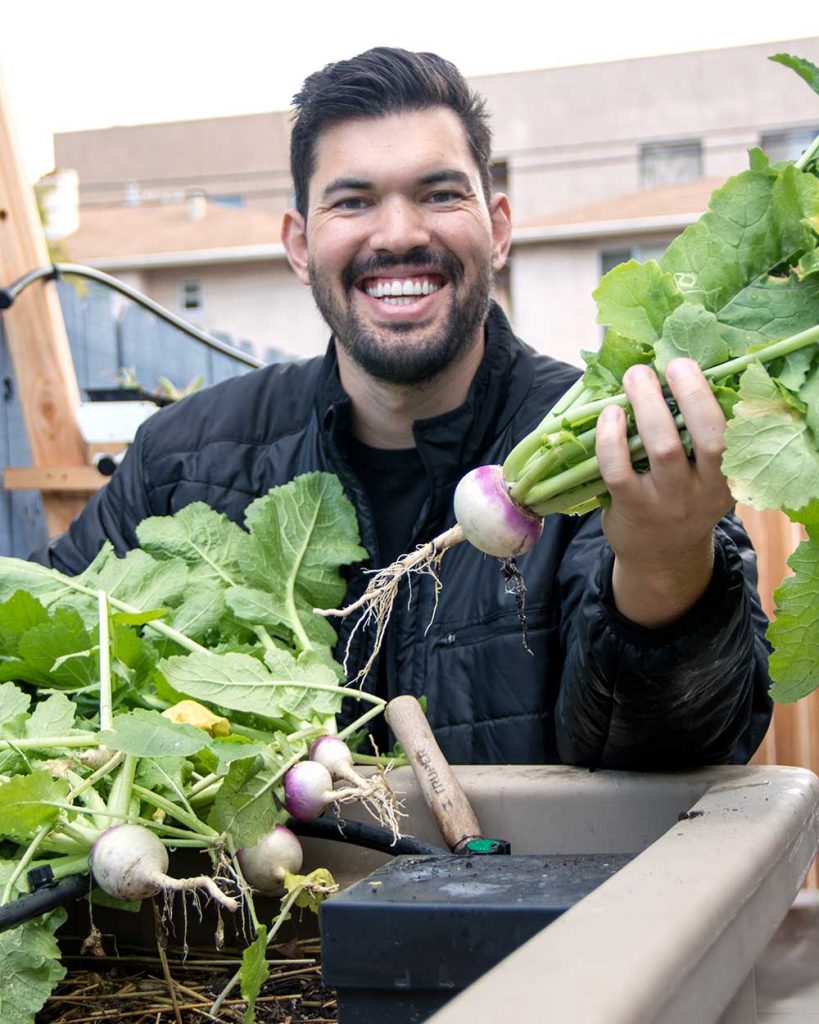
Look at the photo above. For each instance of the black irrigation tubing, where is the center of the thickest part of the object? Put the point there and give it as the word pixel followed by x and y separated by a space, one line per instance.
pixel 59 894
pixel 57 270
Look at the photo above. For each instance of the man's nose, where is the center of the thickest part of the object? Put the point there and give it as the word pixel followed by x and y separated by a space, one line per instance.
pixel 400 226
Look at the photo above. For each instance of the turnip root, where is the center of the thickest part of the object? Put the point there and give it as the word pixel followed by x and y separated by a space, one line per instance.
pixel 130 863
pixel 308 791
pixel 374 792
pixel 264 865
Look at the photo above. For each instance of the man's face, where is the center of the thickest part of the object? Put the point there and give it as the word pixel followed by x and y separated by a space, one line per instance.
pixel 399 245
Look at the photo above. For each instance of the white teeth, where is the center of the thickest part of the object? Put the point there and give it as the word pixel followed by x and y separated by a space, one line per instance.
pixel 398 300
pixel 402 287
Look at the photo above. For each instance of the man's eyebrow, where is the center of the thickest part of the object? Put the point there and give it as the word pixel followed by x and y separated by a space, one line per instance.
pixel 352 184
pixel 449 174
pixel 345 184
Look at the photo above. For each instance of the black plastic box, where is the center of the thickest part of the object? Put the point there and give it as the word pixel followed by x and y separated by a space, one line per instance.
pixel 403 941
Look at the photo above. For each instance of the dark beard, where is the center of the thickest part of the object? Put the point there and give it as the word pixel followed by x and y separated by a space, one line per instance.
pixel 408 363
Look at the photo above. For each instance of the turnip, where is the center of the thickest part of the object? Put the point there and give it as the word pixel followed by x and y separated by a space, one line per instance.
pixel 308 786
pixel 264 865
pixel 130 863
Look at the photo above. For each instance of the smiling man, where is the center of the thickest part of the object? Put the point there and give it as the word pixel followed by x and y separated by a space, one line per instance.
pixel 645 636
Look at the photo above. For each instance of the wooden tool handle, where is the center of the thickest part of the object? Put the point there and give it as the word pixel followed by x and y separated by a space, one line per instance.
pixel 441 789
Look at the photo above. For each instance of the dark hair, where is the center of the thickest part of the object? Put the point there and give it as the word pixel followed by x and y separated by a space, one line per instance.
pixel 383 81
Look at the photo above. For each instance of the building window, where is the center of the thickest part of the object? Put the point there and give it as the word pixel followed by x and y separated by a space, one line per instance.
pixel 610 258
pixel 787 145
pixel 670 163
pixel 191 296
pixel 227 200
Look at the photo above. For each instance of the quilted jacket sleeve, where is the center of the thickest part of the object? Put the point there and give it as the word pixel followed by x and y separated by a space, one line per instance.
pixel 691 693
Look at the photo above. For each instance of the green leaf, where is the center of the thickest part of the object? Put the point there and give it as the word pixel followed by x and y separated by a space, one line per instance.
pixel 255 607
pixel 206 540
pixel 164 774
pixel 30 967
pixel 14 705
pixel 635 298
pixel 44 652
pixel 52 717
pixel 254 972
pixel 754 222
pixel 808 265
pixel 17 616
pixel 605 369
pixel 301 534
pixel 47 585
pixel 24 804
pixel 138 618
pixel 201 612
pixel 802 67
pixel 770 458
pixel 795 627
pixel 313 888
pixel 809 393
pixel 149 734
pixel 245 808
pixel 693 332
pixel 137 579
pixel 241 683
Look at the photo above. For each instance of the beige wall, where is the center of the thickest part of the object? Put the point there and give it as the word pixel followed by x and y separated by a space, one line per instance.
pixel 572 135
pixel 552 308
pixel 262 302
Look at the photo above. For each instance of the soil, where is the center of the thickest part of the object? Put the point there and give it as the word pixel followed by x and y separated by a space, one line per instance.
pixel 133 987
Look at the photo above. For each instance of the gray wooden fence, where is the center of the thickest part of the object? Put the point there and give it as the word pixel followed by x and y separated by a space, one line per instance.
pixel 105 338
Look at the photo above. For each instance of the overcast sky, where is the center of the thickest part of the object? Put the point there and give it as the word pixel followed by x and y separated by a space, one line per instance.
pixel 70 66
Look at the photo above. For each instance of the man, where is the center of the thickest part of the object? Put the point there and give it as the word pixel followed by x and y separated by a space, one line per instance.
pixel 646 644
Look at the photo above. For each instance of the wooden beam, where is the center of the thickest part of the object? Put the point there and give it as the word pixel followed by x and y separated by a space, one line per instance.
pixel 62 480
pixel 35 332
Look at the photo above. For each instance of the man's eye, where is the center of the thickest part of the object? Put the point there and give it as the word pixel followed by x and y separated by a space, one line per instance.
pixel 444 196
pixel 351 203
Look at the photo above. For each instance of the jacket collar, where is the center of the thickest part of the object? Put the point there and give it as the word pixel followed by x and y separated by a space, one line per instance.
pixel 453 443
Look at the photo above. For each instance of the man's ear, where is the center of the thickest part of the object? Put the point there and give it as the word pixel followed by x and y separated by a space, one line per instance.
pixel 294 238
pixel 501 216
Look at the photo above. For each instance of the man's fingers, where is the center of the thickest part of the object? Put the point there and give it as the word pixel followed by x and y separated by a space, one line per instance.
pixel 701 412
pixel 655 424
pixel 611 449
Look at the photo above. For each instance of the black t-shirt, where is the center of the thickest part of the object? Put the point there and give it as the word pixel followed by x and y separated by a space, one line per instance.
pixel 397 486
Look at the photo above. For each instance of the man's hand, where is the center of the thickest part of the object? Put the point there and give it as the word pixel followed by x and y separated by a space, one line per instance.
pixel 660 523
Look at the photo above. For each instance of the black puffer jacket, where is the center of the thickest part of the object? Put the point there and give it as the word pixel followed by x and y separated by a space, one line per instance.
pixel 595 690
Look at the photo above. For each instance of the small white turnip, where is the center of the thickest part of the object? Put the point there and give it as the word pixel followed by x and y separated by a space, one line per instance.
pixel 130 863
pixel 264 865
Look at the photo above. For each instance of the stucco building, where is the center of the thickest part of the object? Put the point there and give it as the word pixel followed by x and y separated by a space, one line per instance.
pixel 601 162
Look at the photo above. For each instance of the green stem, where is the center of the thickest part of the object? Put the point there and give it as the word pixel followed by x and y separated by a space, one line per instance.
pixel 156 624
pixel 106 691
pixel 24 861
pixel 193 823
pixel 356 725
pixel 808 155
pixel 281 917
pixel 75 740
pixel 119 798
pixel 573 477
pixel 380 762
pixel 764 355
pixel 66 866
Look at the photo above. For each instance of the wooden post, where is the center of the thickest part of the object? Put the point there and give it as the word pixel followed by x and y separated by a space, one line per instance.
pixel 35 331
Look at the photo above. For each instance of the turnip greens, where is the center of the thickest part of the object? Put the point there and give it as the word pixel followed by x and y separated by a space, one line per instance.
pixel 171 689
